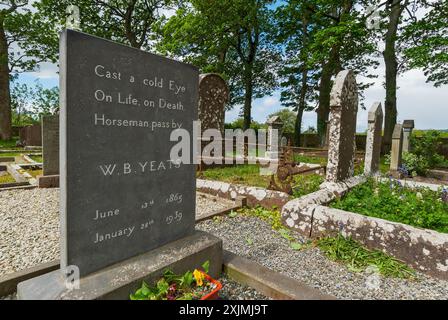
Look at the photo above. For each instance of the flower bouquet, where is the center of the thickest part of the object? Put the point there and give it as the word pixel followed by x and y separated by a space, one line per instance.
pixel 196 285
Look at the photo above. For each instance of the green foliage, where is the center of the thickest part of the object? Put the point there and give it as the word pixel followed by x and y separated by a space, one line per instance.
pixel 288 118
pixel 416 165
pixel 428 42
pixel 189 286
pixel 421 208
pixel 426 148
pixel 309 159
pixel 8 144
pixel 29 103
pixel 6 178
pixel 305 184
pixel 239 124
pixel 357 258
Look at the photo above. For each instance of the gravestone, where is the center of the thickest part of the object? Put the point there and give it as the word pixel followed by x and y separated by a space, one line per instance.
pixel 31 135
pixel 342 135
pixel 396 151
pixel 50 145
pixel 373 143
pixel 408 127
pixel 123 197
pixel 275 126
pixel 213 96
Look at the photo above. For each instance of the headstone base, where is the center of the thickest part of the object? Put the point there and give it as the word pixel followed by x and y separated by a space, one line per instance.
pixel 48 181
pixel 120 280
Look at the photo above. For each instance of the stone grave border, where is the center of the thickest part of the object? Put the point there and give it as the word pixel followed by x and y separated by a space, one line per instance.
pixel 255 196
pixel 423 249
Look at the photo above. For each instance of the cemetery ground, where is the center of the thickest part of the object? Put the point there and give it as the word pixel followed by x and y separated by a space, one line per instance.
pixel 31 237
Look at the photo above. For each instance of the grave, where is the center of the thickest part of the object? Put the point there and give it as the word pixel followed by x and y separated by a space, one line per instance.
pixel 275 127
pixel 408 127
pixel 213 96
pixel 373 144
pixel 127 208
pixel 342 135
pixel 396 152
pixel 50 147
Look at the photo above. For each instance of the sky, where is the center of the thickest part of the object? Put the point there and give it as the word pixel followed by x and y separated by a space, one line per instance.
pixel 416 100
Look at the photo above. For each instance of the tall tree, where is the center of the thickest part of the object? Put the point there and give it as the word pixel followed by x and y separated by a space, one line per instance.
pixel 341 41
pixel 23 45
pixel 131 22
pixel 395 9
pixel 228 37
pixel 299 78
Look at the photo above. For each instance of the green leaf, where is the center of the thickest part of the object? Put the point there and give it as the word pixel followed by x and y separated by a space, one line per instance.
pixel 233 214
pixel 296 246
pixel 206 266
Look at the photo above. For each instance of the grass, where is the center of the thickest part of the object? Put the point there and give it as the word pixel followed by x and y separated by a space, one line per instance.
pixel 8 144
pixel 38 159
pixel 35 173
pixel 421 208
pixel 307 159
pixel 250 175
pixel 10 154
pixel 7 178
pixel 239 174
pixel 357 258
pixel 347 251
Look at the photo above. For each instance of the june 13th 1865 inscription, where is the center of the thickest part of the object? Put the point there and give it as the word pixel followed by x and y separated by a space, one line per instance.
pixel 121 195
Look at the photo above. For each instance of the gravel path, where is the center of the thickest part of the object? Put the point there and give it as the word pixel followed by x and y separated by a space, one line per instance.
pixel 254 239
pixel 29 226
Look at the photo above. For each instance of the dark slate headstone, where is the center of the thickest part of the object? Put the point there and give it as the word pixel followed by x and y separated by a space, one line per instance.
pixel 50 145
pixel 121 195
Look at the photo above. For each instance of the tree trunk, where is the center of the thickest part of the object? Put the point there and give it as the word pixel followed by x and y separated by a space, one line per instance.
pixel 390 60
pixel 324 101
pixel 248 92
pixel 301 107
pixel 5 99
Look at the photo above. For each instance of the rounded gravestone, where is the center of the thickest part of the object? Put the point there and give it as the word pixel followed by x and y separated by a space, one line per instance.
pixel 213 96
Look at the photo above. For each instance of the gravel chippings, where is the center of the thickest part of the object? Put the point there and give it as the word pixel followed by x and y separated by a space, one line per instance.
pixel 254 239
pixel 206 203
pixel 232 290
pixel 29 226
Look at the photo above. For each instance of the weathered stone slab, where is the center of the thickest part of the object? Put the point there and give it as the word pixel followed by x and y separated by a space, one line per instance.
pixel 408 127
pixel 275 127
pixel 255 196
pixel 397 149
pixel 298 213
pixel 117 282
pixel 343 112
pixel 373 144
pixel 121 193
pixel 48 181
pixel 50 145
pixel 213 96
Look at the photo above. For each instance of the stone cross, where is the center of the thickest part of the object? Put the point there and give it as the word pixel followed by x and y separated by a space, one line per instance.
pixel 373 144
pixel 343 112
pixel 275 126
pixel 408 126
pixel 397 148
pixel 213 96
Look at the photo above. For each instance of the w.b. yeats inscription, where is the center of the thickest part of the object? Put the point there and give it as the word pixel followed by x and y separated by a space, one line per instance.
pixel 121 195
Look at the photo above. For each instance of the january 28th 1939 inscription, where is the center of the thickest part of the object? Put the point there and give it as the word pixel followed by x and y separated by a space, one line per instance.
pixel 121 195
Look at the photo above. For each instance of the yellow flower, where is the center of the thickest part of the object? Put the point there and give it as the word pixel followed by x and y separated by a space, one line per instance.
pixel 199 277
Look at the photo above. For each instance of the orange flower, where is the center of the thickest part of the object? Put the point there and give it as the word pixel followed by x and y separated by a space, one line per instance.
pixel 199 277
